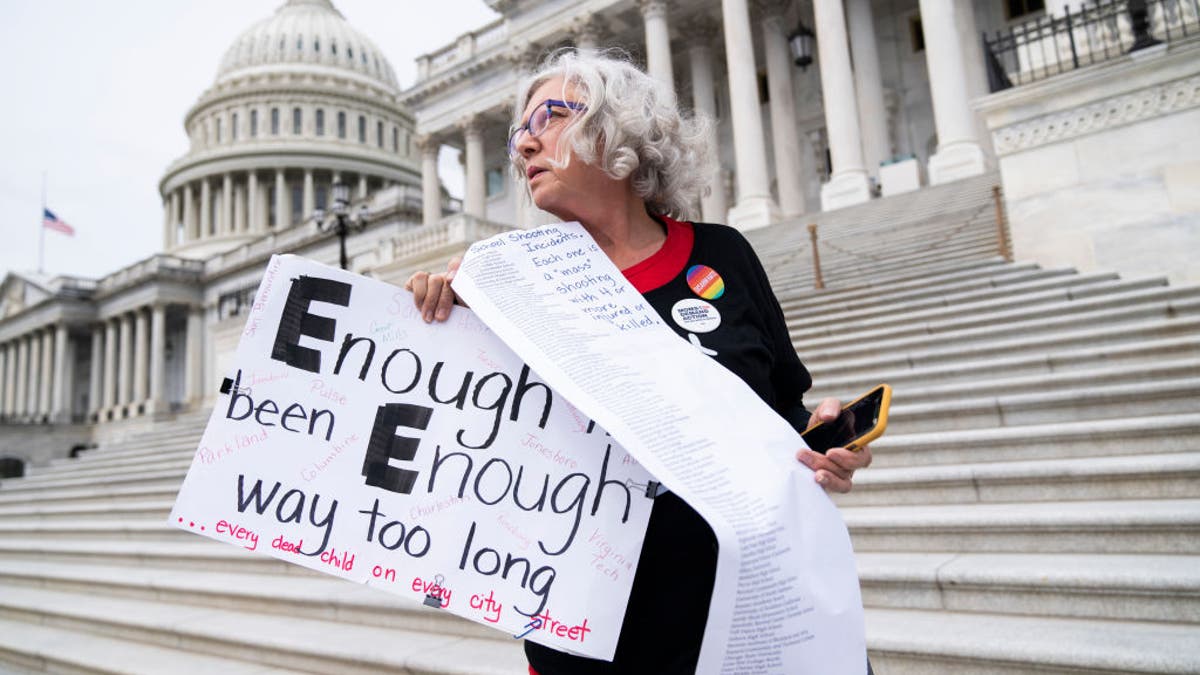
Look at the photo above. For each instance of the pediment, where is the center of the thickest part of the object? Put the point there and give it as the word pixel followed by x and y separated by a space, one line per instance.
pixel 19 291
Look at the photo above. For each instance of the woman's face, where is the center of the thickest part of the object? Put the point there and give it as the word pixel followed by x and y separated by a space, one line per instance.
pixel 569 191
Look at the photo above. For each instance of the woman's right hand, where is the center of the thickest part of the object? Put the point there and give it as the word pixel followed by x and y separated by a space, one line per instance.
pixel 432 293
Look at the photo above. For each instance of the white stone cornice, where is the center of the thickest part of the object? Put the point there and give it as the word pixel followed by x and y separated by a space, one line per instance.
pixel 1147 103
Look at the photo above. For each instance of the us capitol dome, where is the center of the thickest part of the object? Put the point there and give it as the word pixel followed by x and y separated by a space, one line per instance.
pixel 301 101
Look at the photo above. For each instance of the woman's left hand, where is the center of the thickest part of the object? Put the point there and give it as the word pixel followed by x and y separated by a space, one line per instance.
pixel 834 470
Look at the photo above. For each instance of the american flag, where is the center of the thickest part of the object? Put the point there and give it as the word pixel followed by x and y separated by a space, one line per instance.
pixel 52 222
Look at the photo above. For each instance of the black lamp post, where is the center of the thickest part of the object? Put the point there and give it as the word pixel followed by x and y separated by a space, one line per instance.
pixel 340 219
pixel 801 43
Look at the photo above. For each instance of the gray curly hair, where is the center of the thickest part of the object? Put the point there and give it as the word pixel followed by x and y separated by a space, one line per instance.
pixel 632 126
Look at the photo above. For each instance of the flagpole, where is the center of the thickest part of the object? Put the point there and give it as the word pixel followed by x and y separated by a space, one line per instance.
pixel 42 226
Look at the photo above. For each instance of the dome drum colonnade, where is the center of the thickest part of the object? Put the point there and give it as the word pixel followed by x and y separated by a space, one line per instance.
pixel 301 101
pixel 855 111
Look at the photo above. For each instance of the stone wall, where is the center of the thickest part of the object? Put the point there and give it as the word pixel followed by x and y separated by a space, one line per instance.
pixel 1101 166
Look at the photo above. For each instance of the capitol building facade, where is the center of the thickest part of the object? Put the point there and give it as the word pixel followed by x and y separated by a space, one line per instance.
pixel 1004 197
pixel 896 96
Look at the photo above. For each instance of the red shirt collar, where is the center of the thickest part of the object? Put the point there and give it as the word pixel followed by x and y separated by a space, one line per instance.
pixel 667 262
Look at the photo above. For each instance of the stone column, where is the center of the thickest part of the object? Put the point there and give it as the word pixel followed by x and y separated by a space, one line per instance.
pixel 475 203
pixel 658 42
pixel 206 215
pixel 110 365
pixel 309 200
pixel 96 376
pixel 194 371
pixel 226 224
pixel 431 198
pixel 21 388
pixel 158 360
pixel 124 359
pixel 362 186
pixel 586 31
pixel 253 207
pixel 33 376
pixel 60 406
pixel 10 379
pixel 868 83
pixel 239 209
pixel 168 222
pixel 704 33
pixel 46 372
pixel 191 226
pixel 755 207
pixel 283 201
pixel 959 154
pixel 141 356
pixel 5 387
pixel 848 184
pixel 789 172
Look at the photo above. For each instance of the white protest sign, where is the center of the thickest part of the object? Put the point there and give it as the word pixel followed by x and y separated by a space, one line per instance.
pixel 786 597
pixel 423 459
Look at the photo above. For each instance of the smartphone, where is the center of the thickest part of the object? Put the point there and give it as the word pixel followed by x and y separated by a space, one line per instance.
pixel 860 422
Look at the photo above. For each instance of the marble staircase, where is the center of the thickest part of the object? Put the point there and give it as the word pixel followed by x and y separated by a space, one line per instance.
pixel 1034 507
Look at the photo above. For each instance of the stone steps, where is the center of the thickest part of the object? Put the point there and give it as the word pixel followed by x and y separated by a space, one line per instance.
pixel 34 647
pixel 1100 401
pixel 1164 526
pixel 1122 587
pixel 1074 366
pixel 947 350
pixel 310 595
pixel 307 644
pixel 908 317
pixel 1137 306
pixel 937 642
pixel 1167 476
pixel 1095 438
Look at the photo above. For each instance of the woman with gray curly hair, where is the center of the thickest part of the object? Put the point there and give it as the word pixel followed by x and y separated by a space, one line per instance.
pixel 600 142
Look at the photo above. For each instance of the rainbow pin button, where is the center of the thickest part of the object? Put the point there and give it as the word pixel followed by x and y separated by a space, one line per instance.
pixel 705 282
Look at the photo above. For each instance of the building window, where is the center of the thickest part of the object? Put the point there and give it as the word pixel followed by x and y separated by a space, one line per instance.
pixel 282 43
pixel 379 134
pixel 395 140
pixel 299 43
pixel 274 121
pixel 364 58
pixel 317 45
pixel 233 127
pixel 322 197
pixel 320 122
pixel 916 33
pixel 218 129
pixel 333 47
pixel 1016 9
pixel 350 53
pixel 495 181
pixel 272 216
pixel 297 121
pixel 362 129
pixel 253 123
pixel 341 124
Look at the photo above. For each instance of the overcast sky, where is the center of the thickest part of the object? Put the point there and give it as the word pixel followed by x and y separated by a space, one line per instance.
pixel 95 93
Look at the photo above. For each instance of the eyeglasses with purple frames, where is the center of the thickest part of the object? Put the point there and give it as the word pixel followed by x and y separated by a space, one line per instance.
pixel 539 119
